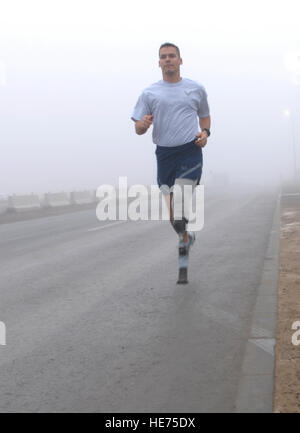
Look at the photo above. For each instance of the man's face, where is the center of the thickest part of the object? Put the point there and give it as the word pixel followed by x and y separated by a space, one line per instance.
pixel 169 61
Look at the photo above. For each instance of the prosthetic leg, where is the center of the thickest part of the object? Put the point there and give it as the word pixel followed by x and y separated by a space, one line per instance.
pixel 183 250
pixel 179 212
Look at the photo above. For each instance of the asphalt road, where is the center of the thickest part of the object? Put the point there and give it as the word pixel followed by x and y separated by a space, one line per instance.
pixel 96 323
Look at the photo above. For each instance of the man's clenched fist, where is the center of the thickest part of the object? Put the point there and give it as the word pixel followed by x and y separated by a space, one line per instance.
pixel 141 126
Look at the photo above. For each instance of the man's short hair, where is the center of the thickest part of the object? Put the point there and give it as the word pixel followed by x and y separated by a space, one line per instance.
pixel 169 44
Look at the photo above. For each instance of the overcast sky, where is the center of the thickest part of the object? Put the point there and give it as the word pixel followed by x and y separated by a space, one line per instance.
pixel 71 72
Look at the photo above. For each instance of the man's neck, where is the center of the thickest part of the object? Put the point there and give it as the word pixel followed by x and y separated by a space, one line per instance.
pixel 172 79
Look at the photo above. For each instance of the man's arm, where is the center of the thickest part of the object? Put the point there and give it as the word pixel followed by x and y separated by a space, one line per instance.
pixel 142 126
pixel 204 122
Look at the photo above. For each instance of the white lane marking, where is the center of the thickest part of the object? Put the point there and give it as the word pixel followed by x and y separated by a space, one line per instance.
pixel 291 194
pixel 107 225
pixel 266 344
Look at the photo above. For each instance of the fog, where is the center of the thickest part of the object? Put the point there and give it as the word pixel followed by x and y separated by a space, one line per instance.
pixel 71 72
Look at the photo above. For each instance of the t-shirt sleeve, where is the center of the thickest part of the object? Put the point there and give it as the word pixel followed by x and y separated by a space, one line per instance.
pixel 141 108
pixel 203 110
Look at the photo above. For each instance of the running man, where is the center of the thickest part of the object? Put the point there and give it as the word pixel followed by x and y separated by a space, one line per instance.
pixel 173 105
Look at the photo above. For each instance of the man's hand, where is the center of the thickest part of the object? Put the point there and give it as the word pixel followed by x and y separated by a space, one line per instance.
pixel 141 126
pixel 202 139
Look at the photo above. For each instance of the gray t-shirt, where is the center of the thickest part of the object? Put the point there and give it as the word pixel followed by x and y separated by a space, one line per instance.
pixel 176 107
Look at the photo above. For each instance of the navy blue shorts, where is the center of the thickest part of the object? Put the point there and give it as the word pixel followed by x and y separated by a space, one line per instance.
pixel 175 162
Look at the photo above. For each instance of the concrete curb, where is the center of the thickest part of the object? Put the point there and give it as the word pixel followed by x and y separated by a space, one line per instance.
pixel 83 197
pixel 56 199
pixel 256 385
pixel 24 203
pixel 3 206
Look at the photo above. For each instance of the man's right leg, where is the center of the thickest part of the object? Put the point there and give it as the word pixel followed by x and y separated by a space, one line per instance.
pixel 169 203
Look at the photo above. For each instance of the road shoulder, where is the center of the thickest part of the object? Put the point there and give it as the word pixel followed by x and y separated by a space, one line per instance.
pixel 256 384
pixel 287 352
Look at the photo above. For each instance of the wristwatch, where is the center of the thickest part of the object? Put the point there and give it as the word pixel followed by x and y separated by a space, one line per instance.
pixel 207 131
